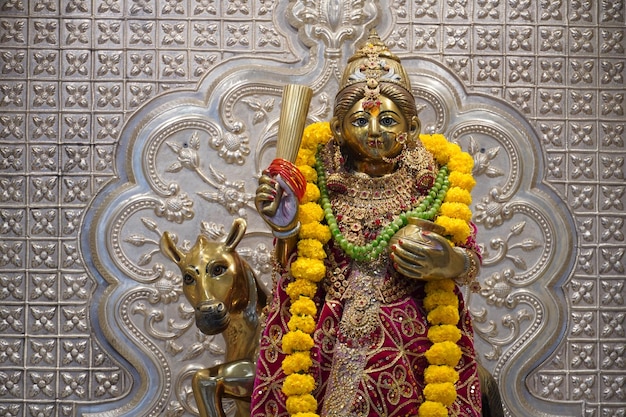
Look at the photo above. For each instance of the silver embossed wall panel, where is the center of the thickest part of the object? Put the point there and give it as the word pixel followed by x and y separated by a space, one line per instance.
pixel 120 119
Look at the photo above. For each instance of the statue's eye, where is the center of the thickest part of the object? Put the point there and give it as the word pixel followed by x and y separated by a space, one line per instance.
pixel 217 270
pixel 188 279
pixel 388 121
pixel 360 122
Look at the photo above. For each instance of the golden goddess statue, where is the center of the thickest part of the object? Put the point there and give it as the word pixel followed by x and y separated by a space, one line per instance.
pixel 373 240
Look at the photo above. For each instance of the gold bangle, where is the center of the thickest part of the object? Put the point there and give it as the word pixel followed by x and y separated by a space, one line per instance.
pixel 468 277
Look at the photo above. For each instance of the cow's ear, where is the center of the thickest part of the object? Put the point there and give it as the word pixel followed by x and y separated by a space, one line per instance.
pixel 169 248
pixel 237 231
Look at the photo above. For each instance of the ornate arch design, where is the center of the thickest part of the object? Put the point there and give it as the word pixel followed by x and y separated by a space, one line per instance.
pixel 188 162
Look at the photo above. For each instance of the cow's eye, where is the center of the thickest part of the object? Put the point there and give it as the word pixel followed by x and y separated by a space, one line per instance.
pixel 217 270
pixel 188 279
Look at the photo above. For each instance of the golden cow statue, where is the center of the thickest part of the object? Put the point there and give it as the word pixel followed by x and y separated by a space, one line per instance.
pixel 227 298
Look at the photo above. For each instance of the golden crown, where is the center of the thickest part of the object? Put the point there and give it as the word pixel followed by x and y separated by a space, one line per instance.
pixel 372 64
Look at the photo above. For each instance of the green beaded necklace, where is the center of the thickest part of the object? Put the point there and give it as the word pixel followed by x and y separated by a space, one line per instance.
pixel 426 210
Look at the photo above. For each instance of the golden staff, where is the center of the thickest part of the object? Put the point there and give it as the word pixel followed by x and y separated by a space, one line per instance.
pixel 295 107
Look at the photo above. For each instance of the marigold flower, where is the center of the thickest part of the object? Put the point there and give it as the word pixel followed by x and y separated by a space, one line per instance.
pixel 300 287
pixel 298 384
pixel 432 409
pixel 301 404
pixel 443 333
pixel 440 285
pixel 452 149
pixel 303 305
pixel 316 134
pixel 458 229
pixel 439 298
pixel 297 341
pixel 311 248
pixel 307 268
pixel 305 157
pixel 306 323
pixel 297 362
pixel 310 212
pixel 436 374
pixel 459 179
pixel 458 195
pixel 310 174
pixel 462 162
pixel 311 194
pixel 437 145
pixel 308 139
pixel 444 353
pixel 444 315
pixel 444 393
pixel 456 210
pixel 315 230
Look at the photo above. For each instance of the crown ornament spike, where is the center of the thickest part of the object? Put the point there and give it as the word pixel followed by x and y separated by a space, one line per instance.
pixel 372 64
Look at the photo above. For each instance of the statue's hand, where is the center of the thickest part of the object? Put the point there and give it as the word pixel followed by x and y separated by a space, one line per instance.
pixel 277 204
pixel 426 255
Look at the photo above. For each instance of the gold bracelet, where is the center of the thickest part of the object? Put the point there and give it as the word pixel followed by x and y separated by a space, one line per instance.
pixel 468 277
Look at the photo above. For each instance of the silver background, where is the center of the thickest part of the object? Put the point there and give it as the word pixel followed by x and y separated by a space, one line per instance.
pixel 105 103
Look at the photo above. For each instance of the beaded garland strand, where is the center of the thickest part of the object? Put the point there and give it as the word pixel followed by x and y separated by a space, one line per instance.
pixel 447 203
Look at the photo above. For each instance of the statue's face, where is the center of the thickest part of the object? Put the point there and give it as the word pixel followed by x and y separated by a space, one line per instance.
pixel 368 137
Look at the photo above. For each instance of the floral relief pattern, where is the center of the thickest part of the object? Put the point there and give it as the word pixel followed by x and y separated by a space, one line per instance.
pixel 76 75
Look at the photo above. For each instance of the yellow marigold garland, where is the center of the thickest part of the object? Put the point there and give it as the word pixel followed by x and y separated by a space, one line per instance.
pixel 308 269
pixel 441 302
